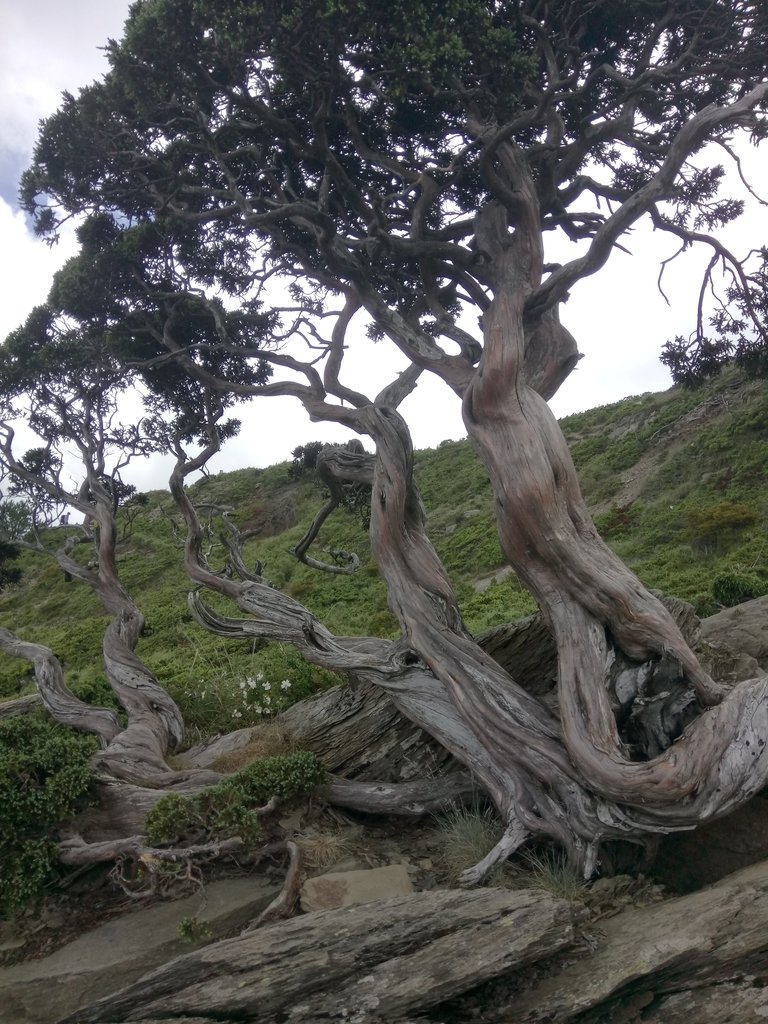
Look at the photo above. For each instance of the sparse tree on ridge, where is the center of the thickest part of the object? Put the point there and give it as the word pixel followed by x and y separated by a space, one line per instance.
pixel 397 173
pixel 68 386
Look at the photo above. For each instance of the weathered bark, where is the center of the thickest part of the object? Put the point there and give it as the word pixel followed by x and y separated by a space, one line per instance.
pixel 358 471
pixel 119 807
pixel 77 853
pixel 404 799
pixel 56 697
pixel 283 904
pixel 154 724
pixel 20 705
pixel 570 775
pixel 359 734
pixel 371 962
pixel 586 594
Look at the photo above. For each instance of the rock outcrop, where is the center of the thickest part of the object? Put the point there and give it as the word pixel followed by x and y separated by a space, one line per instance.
pixel 523 957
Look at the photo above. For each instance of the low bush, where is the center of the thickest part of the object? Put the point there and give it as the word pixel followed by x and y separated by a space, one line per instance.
pixel 713 525
pixel 229 808
pixel 44 778
pixel 737 585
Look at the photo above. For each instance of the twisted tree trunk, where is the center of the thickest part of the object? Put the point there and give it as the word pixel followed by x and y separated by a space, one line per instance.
pixel 137 751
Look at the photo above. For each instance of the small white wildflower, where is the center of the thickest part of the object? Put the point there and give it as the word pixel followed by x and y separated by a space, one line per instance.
pixel 285 685
pixel 251 684
pixel 267 699
pixel 257 709
pixel 237 714
pixel 267 685
pixel 242 684
pixel 259 676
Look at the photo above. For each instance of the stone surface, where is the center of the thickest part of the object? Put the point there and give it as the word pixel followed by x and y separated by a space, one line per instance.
pixel 344 888
pixel 690 860
pixel 364 964
pixel 118 952
pixel 743 628
pixel 643 957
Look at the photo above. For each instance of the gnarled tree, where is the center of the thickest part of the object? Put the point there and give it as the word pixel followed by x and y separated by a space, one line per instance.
pixel 401 172
pixel 67 385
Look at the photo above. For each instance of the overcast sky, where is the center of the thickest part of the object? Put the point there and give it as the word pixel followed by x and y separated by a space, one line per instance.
pixel 618 317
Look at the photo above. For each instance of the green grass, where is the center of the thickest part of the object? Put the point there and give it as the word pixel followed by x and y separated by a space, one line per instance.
pixel 699 452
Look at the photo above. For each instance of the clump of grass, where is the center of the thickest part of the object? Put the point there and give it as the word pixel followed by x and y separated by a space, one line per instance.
pixel 549 870
pixel 465 835
pixel 268 739
pixel 321 849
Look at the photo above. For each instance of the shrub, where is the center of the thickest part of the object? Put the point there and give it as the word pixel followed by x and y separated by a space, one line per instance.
pixel 710 526
pixel 228 808
pixel 737 585
pixel 619 520
pixel 44 777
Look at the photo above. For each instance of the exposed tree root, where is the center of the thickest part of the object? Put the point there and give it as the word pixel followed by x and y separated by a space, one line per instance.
pixel 76 852
pixel 284 903
pixel 513 838
pixel 405 799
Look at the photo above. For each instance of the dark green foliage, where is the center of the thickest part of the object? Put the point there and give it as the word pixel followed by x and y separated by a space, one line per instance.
pixel 44 778
pixel 228 808
pixel 232 141
pixel 713 526
pixel 10 573
pixel 304 458
pixel 738 585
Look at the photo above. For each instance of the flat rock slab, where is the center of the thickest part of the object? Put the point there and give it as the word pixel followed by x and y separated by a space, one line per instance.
pixel 644 957
pixel 119 952
pixel 742 628
pixel 366 963
pixel 343 888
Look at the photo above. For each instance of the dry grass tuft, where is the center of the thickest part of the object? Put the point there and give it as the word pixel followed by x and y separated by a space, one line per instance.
pixel 464 836
pixel 322 849
pixel 550 871
pixel 268 739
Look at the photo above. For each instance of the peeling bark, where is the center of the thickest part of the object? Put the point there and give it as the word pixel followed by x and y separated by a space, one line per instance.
pixel 586 594
pixel 56 697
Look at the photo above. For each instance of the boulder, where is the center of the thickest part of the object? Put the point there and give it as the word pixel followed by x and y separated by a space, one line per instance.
pixel 665 955
pixel 343 888
pixel 743 629
pixel 368 963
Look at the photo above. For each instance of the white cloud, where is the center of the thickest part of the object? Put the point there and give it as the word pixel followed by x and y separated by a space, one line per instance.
pixel 48 46
pixel 27 266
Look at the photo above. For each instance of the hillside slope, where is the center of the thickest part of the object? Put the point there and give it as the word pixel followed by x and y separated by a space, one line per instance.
pixel 677 482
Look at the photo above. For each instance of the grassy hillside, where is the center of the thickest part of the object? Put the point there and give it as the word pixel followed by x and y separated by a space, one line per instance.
pixel 677 482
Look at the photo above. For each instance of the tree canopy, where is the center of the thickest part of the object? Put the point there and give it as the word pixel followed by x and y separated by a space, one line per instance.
pixel 345 153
